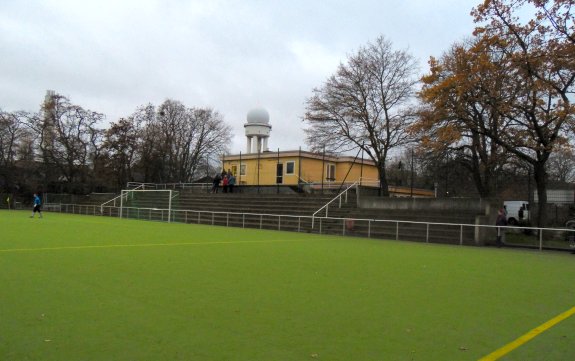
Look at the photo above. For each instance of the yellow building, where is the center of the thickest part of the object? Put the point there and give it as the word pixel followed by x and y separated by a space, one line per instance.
pixel 261 167
pixel 297 167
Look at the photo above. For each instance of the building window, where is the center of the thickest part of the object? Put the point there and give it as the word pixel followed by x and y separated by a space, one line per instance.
pixel 243 169
pixel 330 172
pixel 290 167
pixel 234 169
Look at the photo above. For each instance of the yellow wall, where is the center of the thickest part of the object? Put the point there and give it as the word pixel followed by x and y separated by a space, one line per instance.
pixel 369 172
pixel 311 170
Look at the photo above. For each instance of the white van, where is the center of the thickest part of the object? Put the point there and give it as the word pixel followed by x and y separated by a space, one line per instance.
pixel 513 214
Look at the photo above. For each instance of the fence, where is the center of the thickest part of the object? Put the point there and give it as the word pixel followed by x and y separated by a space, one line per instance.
pixel 429 232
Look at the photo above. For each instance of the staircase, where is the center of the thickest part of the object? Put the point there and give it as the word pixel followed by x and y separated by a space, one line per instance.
pixel 288 212
pixel 292 212
pixel 403 223
pixel 279 204
pixel 264 210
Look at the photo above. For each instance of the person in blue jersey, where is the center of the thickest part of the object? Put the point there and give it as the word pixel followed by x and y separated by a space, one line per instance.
pixel 37 206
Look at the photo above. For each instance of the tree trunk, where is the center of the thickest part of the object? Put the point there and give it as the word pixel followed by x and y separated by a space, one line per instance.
pixel 541 182
pixel 481 183
pixel 383 186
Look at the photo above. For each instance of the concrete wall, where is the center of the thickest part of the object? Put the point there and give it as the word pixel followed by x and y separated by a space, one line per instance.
pixel 435 204
pixel 486 210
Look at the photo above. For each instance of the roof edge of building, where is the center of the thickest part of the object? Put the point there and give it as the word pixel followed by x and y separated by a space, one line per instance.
pixel 296 153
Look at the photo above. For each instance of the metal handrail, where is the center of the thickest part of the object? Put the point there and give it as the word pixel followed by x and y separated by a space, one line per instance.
pixel 169 185
pixel 372 182
pixel 142 185
pixel 326 206
pixel 139 185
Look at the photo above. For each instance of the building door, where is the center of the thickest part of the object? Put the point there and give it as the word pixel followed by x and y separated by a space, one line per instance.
pixel 279 173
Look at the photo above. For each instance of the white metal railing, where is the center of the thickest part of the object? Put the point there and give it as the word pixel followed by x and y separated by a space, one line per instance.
pixel 369 182
pixel 339 196
pixel 166 186
pixel 140 185
pixel 328 225
pixel 113 200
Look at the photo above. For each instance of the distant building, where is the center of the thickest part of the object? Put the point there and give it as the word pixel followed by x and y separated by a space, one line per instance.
pixel 296 167
pixel 261 167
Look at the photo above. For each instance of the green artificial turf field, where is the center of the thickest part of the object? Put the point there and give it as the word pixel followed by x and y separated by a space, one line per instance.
pixel 97 288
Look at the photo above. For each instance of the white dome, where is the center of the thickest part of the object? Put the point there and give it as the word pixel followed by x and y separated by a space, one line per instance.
pixel 258 116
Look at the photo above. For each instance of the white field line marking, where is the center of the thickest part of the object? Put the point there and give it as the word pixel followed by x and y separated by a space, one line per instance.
pixel 14 250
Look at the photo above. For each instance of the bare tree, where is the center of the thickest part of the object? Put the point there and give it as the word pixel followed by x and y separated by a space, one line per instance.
pixel 68 139
pixel 121 146
pixel 366 105
pixel 561 165
pixel 15 142
pixel 11 127
pixel 175 138
pixel 208 136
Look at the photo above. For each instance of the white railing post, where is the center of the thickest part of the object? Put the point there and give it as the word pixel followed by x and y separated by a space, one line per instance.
pixel 369 228
pixel 170 207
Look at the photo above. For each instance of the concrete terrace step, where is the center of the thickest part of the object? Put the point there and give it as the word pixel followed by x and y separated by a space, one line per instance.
pixel 252 203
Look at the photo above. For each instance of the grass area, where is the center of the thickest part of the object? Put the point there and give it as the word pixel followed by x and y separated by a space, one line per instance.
pixel 97 288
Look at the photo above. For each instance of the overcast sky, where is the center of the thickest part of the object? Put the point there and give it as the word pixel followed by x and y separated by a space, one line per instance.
pixel 233 56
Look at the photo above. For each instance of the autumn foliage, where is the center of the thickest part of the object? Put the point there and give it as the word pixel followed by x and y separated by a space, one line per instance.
pixel 507 92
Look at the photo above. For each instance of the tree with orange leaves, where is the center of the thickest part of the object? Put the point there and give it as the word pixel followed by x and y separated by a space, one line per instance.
pixel 459 96
pixel 520 74
pixel 541 56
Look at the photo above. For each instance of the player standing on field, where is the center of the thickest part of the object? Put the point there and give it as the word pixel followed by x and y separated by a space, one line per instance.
pixel 37 205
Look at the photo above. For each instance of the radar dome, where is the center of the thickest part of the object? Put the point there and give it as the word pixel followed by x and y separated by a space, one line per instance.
pixel 258 116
